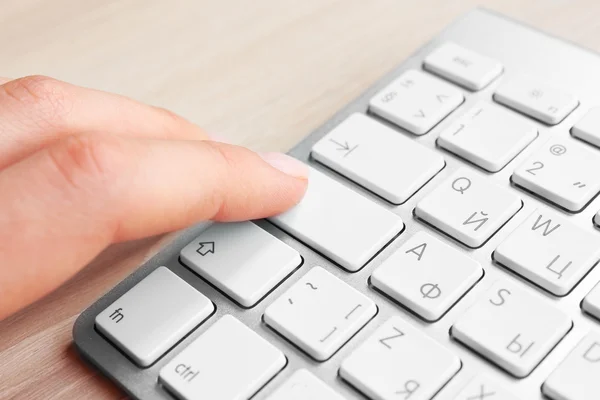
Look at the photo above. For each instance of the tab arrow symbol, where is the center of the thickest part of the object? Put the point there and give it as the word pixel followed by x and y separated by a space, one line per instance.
pixel 205 248
pixel 344 147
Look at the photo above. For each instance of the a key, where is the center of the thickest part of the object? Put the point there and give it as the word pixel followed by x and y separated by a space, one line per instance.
pixel 228 361
pixel 535 99
pixel 303 385
pixel 426 275
pixel 416 101
pixel 563 171
pixel 588 127
pixel 327 220
pixel 241 259
pixel 488 136
pixel 378 158
pixel 576 378
pixel 481 387
pixel 550 251
pixel 463 66
pixel 468 207
pixel 512 327
pixel 399 362
pixel 591 302
pixel 319 313
pixel 153 315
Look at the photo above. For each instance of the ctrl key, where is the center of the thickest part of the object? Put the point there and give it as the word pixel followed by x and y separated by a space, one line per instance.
pixel 153 316
pixel 227 362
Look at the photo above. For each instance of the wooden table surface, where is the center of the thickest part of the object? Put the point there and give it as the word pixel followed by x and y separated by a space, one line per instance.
pixel 261 73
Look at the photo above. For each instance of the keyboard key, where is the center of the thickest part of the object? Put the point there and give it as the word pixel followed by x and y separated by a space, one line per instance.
pixel 241 259
pixel 399 362
pixel 591 302
pixel 535 99
pixel 562 171
pixel 319 313
pixel 426 275
pixel 303 385
pixel 326 220
pixel 588 127
pixel 416 101
pixel 550 251
pixel 228 361
pixel 482 387
pixel 378 158
pixel 512 327
pixel 463 66
pixel 153 315
pixel 576 378
pixel 488 136
pixel 468 207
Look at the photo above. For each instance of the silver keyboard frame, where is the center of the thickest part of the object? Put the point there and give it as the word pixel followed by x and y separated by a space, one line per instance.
pixel 520 49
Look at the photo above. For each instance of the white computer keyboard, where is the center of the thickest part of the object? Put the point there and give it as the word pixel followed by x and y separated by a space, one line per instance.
pixel 445 248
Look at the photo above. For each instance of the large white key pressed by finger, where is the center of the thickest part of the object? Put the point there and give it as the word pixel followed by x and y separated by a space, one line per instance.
pixel 576 378
pixel 488 136
pixel 227 362
pixel 416 101
pixel 303 385
pixel 463 66
pixel 512 327
pixel 399 362
pixel 153 315
pixel 378 158
pixel 588 127
pixel 538 100
pixel 550 251
pixel 319 313
pixel 241 259
pixel 481 387
pixel 563 171
pixel 426 275
pixel 591 302
pixel 468 207
pixel 327 220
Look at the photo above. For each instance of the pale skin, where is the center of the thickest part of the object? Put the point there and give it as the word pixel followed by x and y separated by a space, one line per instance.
pixel 81 169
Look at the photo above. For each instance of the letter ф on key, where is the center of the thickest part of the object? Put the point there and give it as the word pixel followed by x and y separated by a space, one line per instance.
pixel 410 387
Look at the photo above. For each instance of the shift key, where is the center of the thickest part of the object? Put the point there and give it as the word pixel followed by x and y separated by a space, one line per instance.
pixel 339 223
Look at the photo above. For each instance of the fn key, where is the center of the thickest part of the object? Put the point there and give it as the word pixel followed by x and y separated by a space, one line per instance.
pixel 153 316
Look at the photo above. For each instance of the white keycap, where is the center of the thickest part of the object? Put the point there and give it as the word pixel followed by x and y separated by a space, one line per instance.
pixel 426 275
pixel 550 251
pixel 320 313
pixel 241 259
pixel 468 207
pixel 327 220
pixel 563 171
pixel 538 100
pixel 481 387
pixel 303 385
pixel 227 362
pixel 591 302
pixel 513 327
pixel 463 66
pixel 576 378
pixel 588 127
pixel 488 136
pixel 153 315
pixel 416 101
pixel 399 362
pixel 378 158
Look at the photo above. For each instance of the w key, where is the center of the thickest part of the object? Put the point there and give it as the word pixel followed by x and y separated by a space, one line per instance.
pixel 550 251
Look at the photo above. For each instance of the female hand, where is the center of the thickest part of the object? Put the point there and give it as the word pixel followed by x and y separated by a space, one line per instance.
pixel 81 169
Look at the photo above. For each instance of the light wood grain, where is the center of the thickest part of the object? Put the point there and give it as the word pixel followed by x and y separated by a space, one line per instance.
pixel 261 73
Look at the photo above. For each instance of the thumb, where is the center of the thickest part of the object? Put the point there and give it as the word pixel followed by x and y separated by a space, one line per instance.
pixel 75 197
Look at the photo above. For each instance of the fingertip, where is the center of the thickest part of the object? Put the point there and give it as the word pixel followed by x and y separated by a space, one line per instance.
pixel 286 164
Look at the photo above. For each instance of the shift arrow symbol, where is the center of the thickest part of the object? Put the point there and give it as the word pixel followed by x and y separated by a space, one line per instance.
pixel 420 114
pixel 205 248
pixel 344 147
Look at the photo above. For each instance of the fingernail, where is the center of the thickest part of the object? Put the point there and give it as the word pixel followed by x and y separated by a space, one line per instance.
pixel 286 164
